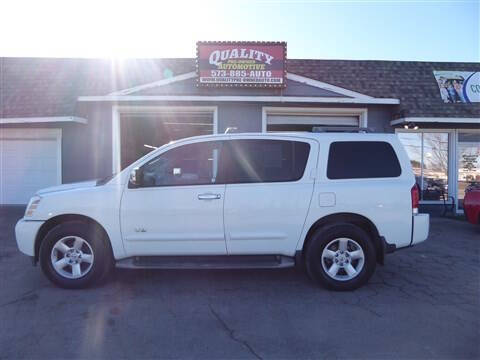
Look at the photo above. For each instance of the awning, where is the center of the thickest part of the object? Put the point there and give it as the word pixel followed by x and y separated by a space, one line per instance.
pixel 432 120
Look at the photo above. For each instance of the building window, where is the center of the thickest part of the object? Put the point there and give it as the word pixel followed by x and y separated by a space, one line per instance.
pixel 428 153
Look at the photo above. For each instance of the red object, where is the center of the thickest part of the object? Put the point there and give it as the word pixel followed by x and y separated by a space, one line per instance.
pixel 471 206
pixel 415 198
pixel 257 64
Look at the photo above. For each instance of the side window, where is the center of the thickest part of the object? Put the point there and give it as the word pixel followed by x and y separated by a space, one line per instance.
pixel 254 161
pixel 192 164
pixel 362 159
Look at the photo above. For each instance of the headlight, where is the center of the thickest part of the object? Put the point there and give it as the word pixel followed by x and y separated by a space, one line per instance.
pixel 32 206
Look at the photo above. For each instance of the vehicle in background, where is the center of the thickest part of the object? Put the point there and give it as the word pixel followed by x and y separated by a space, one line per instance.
pixel 471 205
pixel 334 202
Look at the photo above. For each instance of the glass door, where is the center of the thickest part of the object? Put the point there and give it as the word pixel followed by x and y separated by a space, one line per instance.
pixel 428 151
pixel 468 164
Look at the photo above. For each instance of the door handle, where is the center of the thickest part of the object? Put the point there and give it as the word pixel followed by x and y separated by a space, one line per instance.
pixel 209 196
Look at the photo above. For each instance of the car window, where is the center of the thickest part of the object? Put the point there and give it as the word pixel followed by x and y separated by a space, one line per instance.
pixel 253 161
pixel 192 164
pixel 362 159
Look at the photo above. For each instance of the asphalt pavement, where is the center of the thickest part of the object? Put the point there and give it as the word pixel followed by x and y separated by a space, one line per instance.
pixel 424 303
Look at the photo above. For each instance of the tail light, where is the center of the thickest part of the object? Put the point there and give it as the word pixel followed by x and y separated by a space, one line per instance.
pixel 415 198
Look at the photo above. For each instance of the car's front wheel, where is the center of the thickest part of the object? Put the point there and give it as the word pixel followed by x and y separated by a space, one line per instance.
pixel 75 255
pixel 340 257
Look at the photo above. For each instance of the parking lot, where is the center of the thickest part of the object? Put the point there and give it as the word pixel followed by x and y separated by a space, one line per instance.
pixel 424 303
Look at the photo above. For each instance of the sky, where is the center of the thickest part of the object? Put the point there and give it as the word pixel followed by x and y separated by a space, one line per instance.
pixel 361 30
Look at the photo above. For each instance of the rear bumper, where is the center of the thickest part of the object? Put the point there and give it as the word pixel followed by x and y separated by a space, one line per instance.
pixel 25 233
pixel 421 227
pixel 420 230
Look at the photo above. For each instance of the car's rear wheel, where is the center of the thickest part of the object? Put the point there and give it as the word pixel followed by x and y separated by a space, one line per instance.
pixel 75 255
pixel 340 257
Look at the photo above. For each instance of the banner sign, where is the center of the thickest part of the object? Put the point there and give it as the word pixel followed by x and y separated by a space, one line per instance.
pixel 458 86
pixel 251 64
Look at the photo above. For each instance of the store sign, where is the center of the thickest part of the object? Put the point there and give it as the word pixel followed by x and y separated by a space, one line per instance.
pixel 469 162
pixel 458 86
pixel 259 64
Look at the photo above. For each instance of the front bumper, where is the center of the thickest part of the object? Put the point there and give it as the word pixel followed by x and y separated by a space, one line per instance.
pixel 421 227
pixel 26 232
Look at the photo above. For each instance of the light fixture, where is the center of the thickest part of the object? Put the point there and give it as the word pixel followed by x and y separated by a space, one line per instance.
pixel 410 126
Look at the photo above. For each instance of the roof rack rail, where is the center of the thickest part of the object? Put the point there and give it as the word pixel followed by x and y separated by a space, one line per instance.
pixel 322 129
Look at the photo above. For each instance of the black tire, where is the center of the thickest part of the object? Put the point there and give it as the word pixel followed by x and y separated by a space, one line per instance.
pixel 96 239
pixel 324 236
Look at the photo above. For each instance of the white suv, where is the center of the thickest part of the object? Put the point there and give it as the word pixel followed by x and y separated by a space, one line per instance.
pixel 335 202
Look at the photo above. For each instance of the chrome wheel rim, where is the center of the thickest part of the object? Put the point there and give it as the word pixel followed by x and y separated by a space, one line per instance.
pixel 72 257
pixel 343 259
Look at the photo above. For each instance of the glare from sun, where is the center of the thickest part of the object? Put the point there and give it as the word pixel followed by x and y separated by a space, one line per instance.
pixel 106 28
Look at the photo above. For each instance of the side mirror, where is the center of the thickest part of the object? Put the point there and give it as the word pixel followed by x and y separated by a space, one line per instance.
pixel 136 177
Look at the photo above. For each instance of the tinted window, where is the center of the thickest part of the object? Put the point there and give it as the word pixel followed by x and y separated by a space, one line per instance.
pixel 193 164
pixel 362 159
pixel 253 161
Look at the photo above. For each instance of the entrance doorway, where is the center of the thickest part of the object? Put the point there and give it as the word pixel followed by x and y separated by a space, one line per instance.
pixel 468 157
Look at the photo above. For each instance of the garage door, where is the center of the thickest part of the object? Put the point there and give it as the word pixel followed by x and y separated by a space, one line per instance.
pixel 30 159
pixel 288 122
pixel 141 131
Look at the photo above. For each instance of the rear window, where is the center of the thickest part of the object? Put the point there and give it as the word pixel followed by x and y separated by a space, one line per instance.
pixel 254 161
pixel 362 159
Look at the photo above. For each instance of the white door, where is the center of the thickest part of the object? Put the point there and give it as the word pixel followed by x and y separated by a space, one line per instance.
pixel 269 187
pixel 30 159
pixel 179 208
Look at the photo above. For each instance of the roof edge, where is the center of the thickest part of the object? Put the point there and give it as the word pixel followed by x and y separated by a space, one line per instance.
pixel 43 119
pixel 290 76
pixel 261 98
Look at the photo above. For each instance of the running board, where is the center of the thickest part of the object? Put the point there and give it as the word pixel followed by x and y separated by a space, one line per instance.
pixel 207 262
